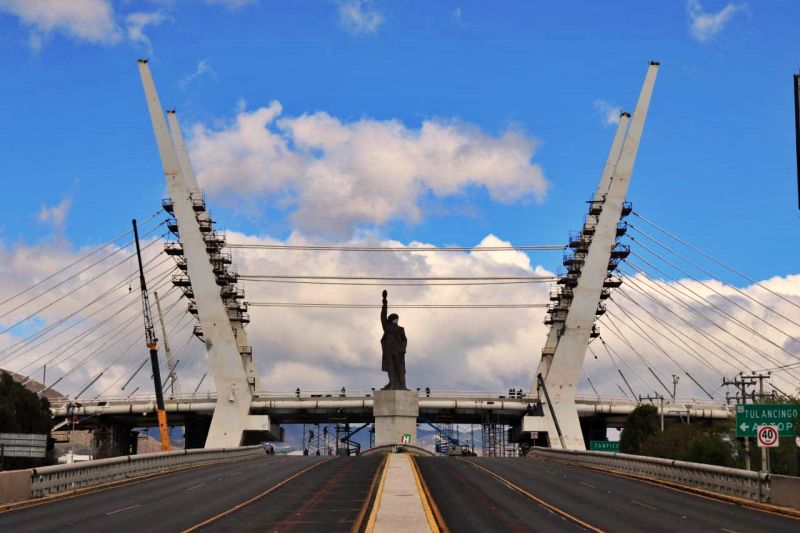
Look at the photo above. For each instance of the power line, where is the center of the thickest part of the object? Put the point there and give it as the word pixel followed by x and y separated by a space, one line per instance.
pixel 321 248
pixel 257 277
pixel 393 284
pixel 401 306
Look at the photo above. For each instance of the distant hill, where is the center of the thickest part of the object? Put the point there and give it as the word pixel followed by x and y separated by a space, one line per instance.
pixel 34 386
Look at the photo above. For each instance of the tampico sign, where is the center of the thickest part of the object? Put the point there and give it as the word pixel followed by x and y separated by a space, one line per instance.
pixel 604 445
pixel 752 416
pixel 767 436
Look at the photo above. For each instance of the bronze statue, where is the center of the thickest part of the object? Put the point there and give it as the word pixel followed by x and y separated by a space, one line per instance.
pixel 393 344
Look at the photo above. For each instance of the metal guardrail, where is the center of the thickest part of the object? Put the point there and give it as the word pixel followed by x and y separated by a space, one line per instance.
pixel 58 478
pixel 720 479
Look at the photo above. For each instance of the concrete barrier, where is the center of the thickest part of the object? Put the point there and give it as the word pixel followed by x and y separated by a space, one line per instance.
pixel 19 485
pixel 15 486
pixel 785 490
pixel 732 481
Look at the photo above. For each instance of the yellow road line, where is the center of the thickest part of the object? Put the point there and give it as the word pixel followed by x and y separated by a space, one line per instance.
pixel 123 509
pixel 254 498
pixel 538 500
pixel 373 515
pixel 369 499
pixel 432 514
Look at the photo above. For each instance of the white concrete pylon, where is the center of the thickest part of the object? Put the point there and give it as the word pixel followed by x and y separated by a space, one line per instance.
pixel 561 371
pixel 231 413
pixel 187 170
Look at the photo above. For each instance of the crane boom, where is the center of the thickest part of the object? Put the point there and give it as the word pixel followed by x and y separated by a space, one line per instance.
pixel 152 346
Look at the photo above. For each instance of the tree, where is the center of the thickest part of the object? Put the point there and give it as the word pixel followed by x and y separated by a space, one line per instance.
pixel 22 411
pixel 640 424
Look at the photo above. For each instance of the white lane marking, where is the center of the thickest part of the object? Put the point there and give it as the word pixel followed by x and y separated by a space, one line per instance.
pixel 646 506
pixel 123 509
pixel 195 486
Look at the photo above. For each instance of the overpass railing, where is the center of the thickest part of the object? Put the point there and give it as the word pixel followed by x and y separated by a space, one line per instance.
pixel 719 479
pixel 59 478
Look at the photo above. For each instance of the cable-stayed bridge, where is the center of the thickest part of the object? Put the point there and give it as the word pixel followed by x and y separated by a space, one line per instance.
pixel 629 289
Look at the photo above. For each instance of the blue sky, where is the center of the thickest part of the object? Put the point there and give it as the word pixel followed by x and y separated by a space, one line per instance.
pixel 444 122
pixel 716 163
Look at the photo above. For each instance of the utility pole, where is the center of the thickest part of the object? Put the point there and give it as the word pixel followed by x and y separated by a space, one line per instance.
pixel 170 363
pixel 152 345
pixel 764 451
pixel 742 382
pixel 675 379
pixel 660 398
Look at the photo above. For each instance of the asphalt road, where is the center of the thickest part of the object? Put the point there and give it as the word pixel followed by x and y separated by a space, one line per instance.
pixel 328 498
pixel 473 500
pixel 169 503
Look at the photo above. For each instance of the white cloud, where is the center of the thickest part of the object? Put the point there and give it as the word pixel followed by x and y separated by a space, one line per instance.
pixel 334 176
pixel 325 349
pixel 203 68
pixel 85 20
pixel 359 16
pixel 608 113
pixel 135 23
pixel 704 25
pixel 55 215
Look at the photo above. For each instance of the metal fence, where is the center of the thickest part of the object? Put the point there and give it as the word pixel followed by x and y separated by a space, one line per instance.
pixel 58 478
pixel 731 481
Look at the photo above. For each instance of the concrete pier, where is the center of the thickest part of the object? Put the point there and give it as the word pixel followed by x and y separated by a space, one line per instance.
pixel 395 413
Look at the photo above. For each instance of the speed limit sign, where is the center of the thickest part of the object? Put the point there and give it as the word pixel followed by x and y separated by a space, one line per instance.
pixel 767 436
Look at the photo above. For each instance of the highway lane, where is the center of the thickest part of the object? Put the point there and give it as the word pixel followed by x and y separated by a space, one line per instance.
pixel 614 503
pixel 330 498
pixel 471 500
pixel 169 503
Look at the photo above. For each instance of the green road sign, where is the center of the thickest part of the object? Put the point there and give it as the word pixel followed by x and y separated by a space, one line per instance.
pixel 749 417
pixel 604 445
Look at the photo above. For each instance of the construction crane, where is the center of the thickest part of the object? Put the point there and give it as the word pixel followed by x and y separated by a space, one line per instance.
pixel 152 345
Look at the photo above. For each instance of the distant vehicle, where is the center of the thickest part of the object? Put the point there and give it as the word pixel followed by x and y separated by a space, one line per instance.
pixel 69 458
pixel 268 447
pixel 455 450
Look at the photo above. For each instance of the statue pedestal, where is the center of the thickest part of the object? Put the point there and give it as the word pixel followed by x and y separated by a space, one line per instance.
pixel 395 413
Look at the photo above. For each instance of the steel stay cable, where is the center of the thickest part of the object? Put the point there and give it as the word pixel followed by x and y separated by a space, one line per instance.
pixel 618 370
pixel 716 342
pixel 107 343
pixel 713 307
pixel 670 328
pixel 658 347
pixel 713 339
pixel 749 297
pixel 610 350
pixel 77 338
pixel 30 300
pixel 698 250
pixel 9 328
pixel 603 367
pixel 704 284
pixel 170 322
pixel 27 341
pixel 617 331
pixel 109 243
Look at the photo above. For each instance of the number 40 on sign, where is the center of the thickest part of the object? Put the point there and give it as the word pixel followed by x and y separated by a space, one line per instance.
pixel 768 436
